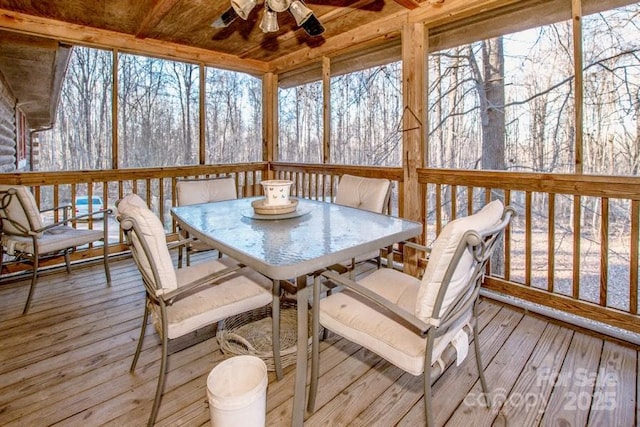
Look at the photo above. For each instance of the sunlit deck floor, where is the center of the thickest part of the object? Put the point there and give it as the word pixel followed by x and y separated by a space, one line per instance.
pixel 67 361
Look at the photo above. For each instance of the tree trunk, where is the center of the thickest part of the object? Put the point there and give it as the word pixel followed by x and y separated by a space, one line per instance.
pixel 493 120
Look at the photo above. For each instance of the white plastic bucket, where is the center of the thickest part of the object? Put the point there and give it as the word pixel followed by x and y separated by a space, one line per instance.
pixel 276 192
pixel 237 392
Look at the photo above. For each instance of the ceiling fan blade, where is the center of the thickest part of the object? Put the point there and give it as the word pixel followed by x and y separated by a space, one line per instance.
pixel 225 19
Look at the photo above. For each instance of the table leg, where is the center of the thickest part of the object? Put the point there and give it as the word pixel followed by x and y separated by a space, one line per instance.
pixel 275 316
pixel 302 297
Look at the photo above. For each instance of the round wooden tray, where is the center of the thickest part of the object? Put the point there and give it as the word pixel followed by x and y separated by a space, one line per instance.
pixel 261 208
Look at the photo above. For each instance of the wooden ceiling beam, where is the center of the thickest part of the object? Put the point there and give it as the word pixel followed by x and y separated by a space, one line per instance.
pixel 105 39
pixel 409 4
pixel 378 31
pixel 436 12
pixel 158 11
pixel 430 13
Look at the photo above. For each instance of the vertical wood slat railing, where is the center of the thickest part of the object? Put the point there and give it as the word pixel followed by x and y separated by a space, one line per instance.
pixel 155 185
pixel 551 207
pixel 319 181
pixel 595 276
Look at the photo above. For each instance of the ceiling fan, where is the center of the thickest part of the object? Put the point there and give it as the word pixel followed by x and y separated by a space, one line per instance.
pixel 303 15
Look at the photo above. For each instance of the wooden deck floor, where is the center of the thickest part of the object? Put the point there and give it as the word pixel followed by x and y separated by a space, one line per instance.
pixel 66 363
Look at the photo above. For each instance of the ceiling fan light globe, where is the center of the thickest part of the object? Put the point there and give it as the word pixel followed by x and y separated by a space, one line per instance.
pixel 300 12
pixel 312 26
pixel 227 17
pixel 243 7
pixel 278 5
pixel 269 23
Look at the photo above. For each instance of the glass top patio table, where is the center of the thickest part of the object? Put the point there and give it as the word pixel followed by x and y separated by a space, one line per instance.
pixel 284 249
pixel 287 248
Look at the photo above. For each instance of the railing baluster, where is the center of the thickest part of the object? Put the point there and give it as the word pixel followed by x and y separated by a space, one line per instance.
pixel 454 202
pixel 56 202
pixel 507 241
pixel 161 199
pixel 551 243
pixel 604 250
pixel 528 239
pixel 633 255
pixel 577 233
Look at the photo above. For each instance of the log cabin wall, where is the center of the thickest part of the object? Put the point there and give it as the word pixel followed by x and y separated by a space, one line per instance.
pixel 7 128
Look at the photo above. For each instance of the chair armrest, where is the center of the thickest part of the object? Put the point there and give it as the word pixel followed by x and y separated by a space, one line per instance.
pixel 105 213
pixel 66 210
pixel 181 242
pixel 417 246
pixel 56 208
pixel 412 321
pixel 171 296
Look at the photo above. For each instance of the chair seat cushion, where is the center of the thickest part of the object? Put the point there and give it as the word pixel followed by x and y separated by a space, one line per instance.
pixel 362 322
pixel 52 240
pixel 239 292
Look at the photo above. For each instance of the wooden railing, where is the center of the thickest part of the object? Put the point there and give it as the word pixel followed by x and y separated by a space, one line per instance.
pixel 319 181
pixel 573 246
pixel 155 185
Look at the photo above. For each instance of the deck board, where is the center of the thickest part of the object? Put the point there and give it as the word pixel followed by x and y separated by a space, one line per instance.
pixel 570 400
pixel 504 371
pixel 456 383
pixel 66 363
pixel 531 392
pixel 614 397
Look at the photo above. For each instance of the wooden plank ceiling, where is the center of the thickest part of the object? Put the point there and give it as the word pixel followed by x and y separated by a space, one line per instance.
pixel 188 22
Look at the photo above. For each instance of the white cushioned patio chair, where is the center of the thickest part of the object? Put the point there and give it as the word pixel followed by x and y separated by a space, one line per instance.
pixel 371 194
pixel 194 191
pixel 28 239
pixel 184 300
pixel 418 325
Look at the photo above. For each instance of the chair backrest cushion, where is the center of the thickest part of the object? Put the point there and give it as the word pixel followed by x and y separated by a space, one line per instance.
pixel 130 200
pixel 442 255
pixel 363 193
pixel 193 191
pixel 152 232
pixel 22 209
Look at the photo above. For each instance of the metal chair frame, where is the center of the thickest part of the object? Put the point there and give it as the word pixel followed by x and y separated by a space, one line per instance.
pixel 165 299
pixel 481 246
pixel 6 197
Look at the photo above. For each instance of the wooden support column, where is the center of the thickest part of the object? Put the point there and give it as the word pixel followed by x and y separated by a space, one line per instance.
pixel 114 110
pixel 202 114
pixel 414 123
pixel 576 12
pixel 269 119
pixel 326 109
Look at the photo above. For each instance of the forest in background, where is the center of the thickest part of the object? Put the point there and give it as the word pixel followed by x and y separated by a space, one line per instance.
pixel 503 103
pixel 506 103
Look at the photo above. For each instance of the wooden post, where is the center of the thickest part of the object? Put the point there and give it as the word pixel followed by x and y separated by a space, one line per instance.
pixel 414 124
pixel 576 12
pixel 326 109
pixel 202 134
pixel 114 110
pixel 269 119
